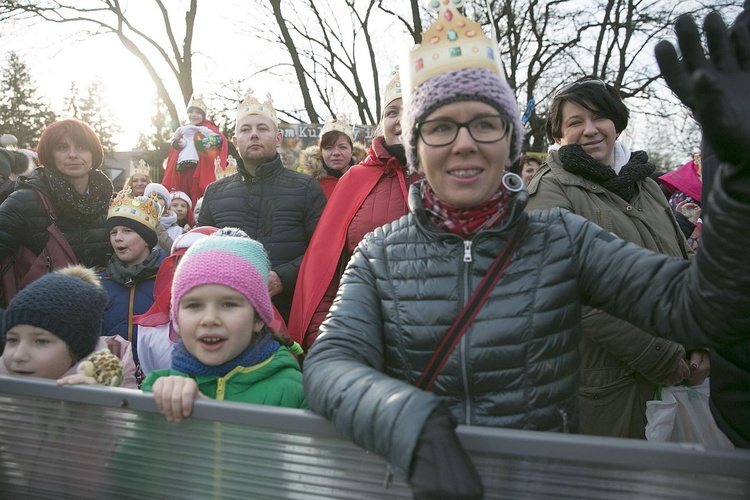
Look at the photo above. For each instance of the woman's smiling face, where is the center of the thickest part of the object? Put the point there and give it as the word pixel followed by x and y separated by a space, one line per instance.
pixel 464 173
pixel 595 133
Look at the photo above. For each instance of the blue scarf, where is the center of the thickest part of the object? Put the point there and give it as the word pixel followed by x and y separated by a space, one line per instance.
pixel 188 364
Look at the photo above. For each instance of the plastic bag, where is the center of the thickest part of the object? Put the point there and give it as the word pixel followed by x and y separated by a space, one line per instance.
pixel 682 415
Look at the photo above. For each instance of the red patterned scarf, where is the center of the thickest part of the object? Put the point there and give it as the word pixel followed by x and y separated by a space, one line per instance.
pixel 466 222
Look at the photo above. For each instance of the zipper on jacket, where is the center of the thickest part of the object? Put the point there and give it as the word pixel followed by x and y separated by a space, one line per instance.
pixel 467 250
pixel 130 314
pixel 564 419
pixel 463 351
pixel 465 379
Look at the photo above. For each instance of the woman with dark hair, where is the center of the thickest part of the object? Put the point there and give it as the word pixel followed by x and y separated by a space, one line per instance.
pixel 526 166
pixel 468 308
pixel 592 174
pixel 335 153
pixel 78 192
pixel 371 194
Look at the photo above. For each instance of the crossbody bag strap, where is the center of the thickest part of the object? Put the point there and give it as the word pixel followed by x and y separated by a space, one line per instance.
pixel 48 207
pixel 470 310
pixel 55 232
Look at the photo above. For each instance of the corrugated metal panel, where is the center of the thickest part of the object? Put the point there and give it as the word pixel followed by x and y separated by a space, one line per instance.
pixel 90 442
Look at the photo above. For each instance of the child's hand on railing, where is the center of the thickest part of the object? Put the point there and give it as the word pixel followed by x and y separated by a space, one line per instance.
pixel 175 395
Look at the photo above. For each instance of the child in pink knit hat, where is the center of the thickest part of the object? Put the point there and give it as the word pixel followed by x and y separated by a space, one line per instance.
pixel 220 307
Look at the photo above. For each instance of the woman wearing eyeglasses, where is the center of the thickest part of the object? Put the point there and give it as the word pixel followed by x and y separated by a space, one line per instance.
pixel 401 358
pixel 592 174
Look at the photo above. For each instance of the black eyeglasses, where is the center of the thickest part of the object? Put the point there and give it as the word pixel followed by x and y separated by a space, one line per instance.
pixel 484 129
pixel 571 86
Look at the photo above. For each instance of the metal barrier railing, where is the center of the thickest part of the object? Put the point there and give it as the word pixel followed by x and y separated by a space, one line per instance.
pixel 94 442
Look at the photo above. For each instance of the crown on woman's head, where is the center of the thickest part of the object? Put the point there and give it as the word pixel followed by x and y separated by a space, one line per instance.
pixel 252 106
pixel 141 168
pixel 453 42
pixel 393 89
pixel 196 101
pixel 141 209
pixel 337 126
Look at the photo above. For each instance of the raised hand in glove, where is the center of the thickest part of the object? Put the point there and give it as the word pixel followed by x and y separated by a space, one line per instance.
pixel 714 87
pixel 441 468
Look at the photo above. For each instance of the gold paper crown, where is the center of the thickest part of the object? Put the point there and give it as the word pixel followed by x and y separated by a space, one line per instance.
pixel 141 209
pixel 252 106
pixel 453 42
pixel 197 102
pixel 230 169
pixel 337 126
pixel 141 168
pixel 393 89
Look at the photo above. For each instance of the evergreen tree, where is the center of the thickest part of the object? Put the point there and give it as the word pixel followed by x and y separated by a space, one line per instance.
pixel 92 109
pixel 155 144
pixel 22 112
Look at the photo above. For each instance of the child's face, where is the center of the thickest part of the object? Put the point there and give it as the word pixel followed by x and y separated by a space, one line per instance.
pixel 180 208
pixel 216 323
pixel 194 116
pixel 33 352
pixel 128 245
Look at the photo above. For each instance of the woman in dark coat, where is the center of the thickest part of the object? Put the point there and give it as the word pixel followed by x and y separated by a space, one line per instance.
pixel 517 363
pixel 70 155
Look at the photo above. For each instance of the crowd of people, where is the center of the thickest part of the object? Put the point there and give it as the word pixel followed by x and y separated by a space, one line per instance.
pixel 436 277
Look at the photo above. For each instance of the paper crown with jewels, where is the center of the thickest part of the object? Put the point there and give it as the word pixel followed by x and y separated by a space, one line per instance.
pixel 337 126
pixel 453 42
pixel 141 209
pixel 252 106
pixel 196 101
pixel 230 169
pixel 140 168
pixel 393 89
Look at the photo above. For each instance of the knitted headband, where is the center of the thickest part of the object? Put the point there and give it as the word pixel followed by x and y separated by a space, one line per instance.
pixel 236 261
pixel 472 84
pixel 65 306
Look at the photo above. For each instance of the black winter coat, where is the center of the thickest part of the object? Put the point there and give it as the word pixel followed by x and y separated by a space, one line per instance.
pixel 278 207
pixel 517 365
pixel 24 221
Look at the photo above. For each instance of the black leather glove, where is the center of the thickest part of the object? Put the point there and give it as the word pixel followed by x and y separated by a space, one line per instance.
pixel 715 88
pixel 441 468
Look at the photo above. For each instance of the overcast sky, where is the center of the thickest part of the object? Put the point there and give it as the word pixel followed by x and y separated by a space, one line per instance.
pixel 57 57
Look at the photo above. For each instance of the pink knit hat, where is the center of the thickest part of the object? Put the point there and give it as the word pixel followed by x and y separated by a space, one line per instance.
pixel 230 258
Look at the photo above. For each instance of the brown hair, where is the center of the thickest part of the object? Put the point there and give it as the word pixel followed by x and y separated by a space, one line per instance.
pixel 594 95
pixel 78 132
pixel 518 165
pixel 330 138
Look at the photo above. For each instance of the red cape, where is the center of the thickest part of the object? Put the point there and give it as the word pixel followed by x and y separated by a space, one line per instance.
pixel 204 171
pixel 322 256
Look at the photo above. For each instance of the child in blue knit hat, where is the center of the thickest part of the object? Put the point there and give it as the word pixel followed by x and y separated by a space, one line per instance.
pixel 221 306
pixel 54 323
